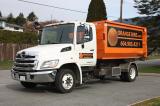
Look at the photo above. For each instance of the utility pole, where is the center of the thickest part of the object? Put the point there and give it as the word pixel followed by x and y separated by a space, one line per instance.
pixel 121 10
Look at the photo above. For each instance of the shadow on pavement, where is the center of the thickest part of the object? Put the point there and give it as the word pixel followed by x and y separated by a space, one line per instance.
pixel 49 88
pixel 38 89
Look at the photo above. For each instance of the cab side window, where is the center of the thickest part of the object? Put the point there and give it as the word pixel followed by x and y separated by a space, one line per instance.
pixel 84 35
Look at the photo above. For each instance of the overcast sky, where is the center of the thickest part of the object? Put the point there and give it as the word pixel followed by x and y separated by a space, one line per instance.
pixel 46 13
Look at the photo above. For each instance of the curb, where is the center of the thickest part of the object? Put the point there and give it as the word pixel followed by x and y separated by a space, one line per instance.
pixel 149 74
pixel 143 101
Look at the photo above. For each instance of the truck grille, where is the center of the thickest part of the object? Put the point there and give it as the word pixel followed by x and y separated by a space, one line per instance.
pixel 24 63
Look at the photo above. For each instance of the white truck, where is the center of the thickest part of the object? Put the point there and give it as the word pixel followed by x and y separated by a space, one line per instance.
pixel 71 53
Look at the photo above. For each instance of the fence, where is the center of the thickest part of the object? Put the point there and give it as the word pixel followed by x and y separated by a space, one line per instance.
pixel 8 51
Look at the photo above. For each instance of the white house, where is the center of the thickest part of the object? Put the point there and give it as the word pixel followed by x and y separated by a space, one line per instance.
pixel 9 27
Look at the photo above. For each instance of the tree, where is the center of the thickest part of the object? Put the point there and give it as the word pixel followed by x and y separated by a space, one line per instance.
pixel 148 7
pixel 31 17
pixel 0 14
pixel 96 11
pixel 20 20
pixel 10 19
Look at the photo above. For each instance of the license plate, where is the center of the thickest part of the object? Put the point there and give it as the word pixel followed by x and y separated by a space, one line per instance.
pixel 22 78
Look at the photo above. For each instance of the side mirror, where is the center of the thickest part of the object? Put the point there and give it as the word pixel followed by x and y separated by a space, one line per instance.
pixel 86 27
pixel 86 31
pixel 86 37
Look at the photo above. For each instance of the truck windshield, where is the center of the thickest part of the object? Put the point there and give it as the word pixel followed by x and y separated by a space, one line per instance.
pixel 57 34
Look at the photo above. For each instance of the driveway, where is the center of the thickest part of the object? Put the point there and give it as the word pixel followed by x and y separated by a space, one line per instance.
pixel 95 93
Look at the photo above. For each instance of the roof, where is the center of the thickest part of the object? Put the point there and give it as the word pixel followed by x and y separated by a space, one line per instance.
pixel 13 25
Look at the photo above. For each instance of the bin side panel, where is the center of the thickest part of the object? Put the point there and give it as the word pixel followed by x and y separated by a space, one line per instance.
pixel 120 41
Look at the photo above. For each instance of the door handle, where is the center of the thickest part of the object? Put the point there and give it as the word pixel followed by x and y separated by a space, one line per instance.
pixel 92 50
pixel 82 46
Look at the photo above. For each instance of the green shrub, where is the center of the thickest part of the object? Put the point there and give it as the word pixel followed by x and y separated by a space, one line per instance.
pixel 18 37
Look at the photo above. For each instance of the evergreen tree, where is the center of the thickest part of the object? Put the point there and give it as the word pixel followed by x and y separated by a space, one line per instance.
pixel 20 20
pixel 96 11
pixel 31 17
pixel 0 14
pixel 10 19
pixel 148 7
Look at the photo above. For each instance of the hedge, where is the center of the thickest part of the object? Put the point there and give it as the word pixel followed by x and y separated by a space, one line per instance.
pixel 18 37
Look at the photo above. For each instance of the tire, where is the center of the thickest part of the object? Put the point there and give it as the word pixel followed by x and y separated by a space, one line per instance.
pixel 102 77
pixel 65 80
pixel 28 84
pixel 131 75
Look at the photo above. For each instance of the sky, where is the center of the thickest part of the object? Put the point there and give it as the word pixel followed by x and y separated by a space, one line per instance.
pixel 48 13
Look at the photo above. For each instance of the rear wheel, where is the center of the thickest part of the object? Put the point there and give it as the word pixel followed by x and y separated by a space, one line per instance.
pixel 65 80
pixel 28 84
pixel 130 75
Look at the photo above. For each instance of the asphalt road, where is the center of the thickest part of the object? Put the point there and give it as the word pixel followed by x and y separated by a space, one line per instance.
pixel 154 62
pixel 95 93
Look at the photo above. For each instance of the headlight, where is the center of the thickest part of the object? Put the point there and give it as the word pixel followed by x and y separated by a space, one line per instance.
pixel 49 64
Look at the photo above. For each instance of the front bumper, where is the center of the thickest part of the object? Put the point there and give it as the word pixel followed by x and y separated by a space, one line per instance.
pixel 35 77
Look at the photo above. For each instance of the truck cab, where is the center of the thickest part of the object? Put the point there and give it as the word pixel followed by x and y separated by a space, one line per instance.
pixel 63 46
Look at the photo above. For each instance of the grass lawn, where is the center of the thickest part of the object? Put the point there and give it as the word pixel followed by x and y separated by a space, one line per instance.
pixel 151 69
pixel 152 102
pixel 6 65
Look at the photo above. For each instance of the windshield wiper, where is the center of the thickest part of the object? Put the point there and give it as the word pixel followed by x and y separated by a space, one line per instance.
pixel 54 43
pixel 51 42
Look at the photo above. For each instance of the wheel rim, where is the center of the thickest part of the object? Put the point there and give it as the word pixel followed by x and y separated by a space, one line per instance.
pixel 132 73
pixel 67 81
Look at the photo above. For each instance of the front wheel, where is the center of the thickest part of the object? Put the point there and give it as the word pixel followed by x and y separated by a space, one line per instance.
pixel 28 84
pixel 65 80
pixel 130 75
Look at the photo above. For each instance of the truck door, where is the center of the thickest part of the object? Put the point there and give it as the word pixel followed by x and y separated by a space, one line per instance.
pixel 86 45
